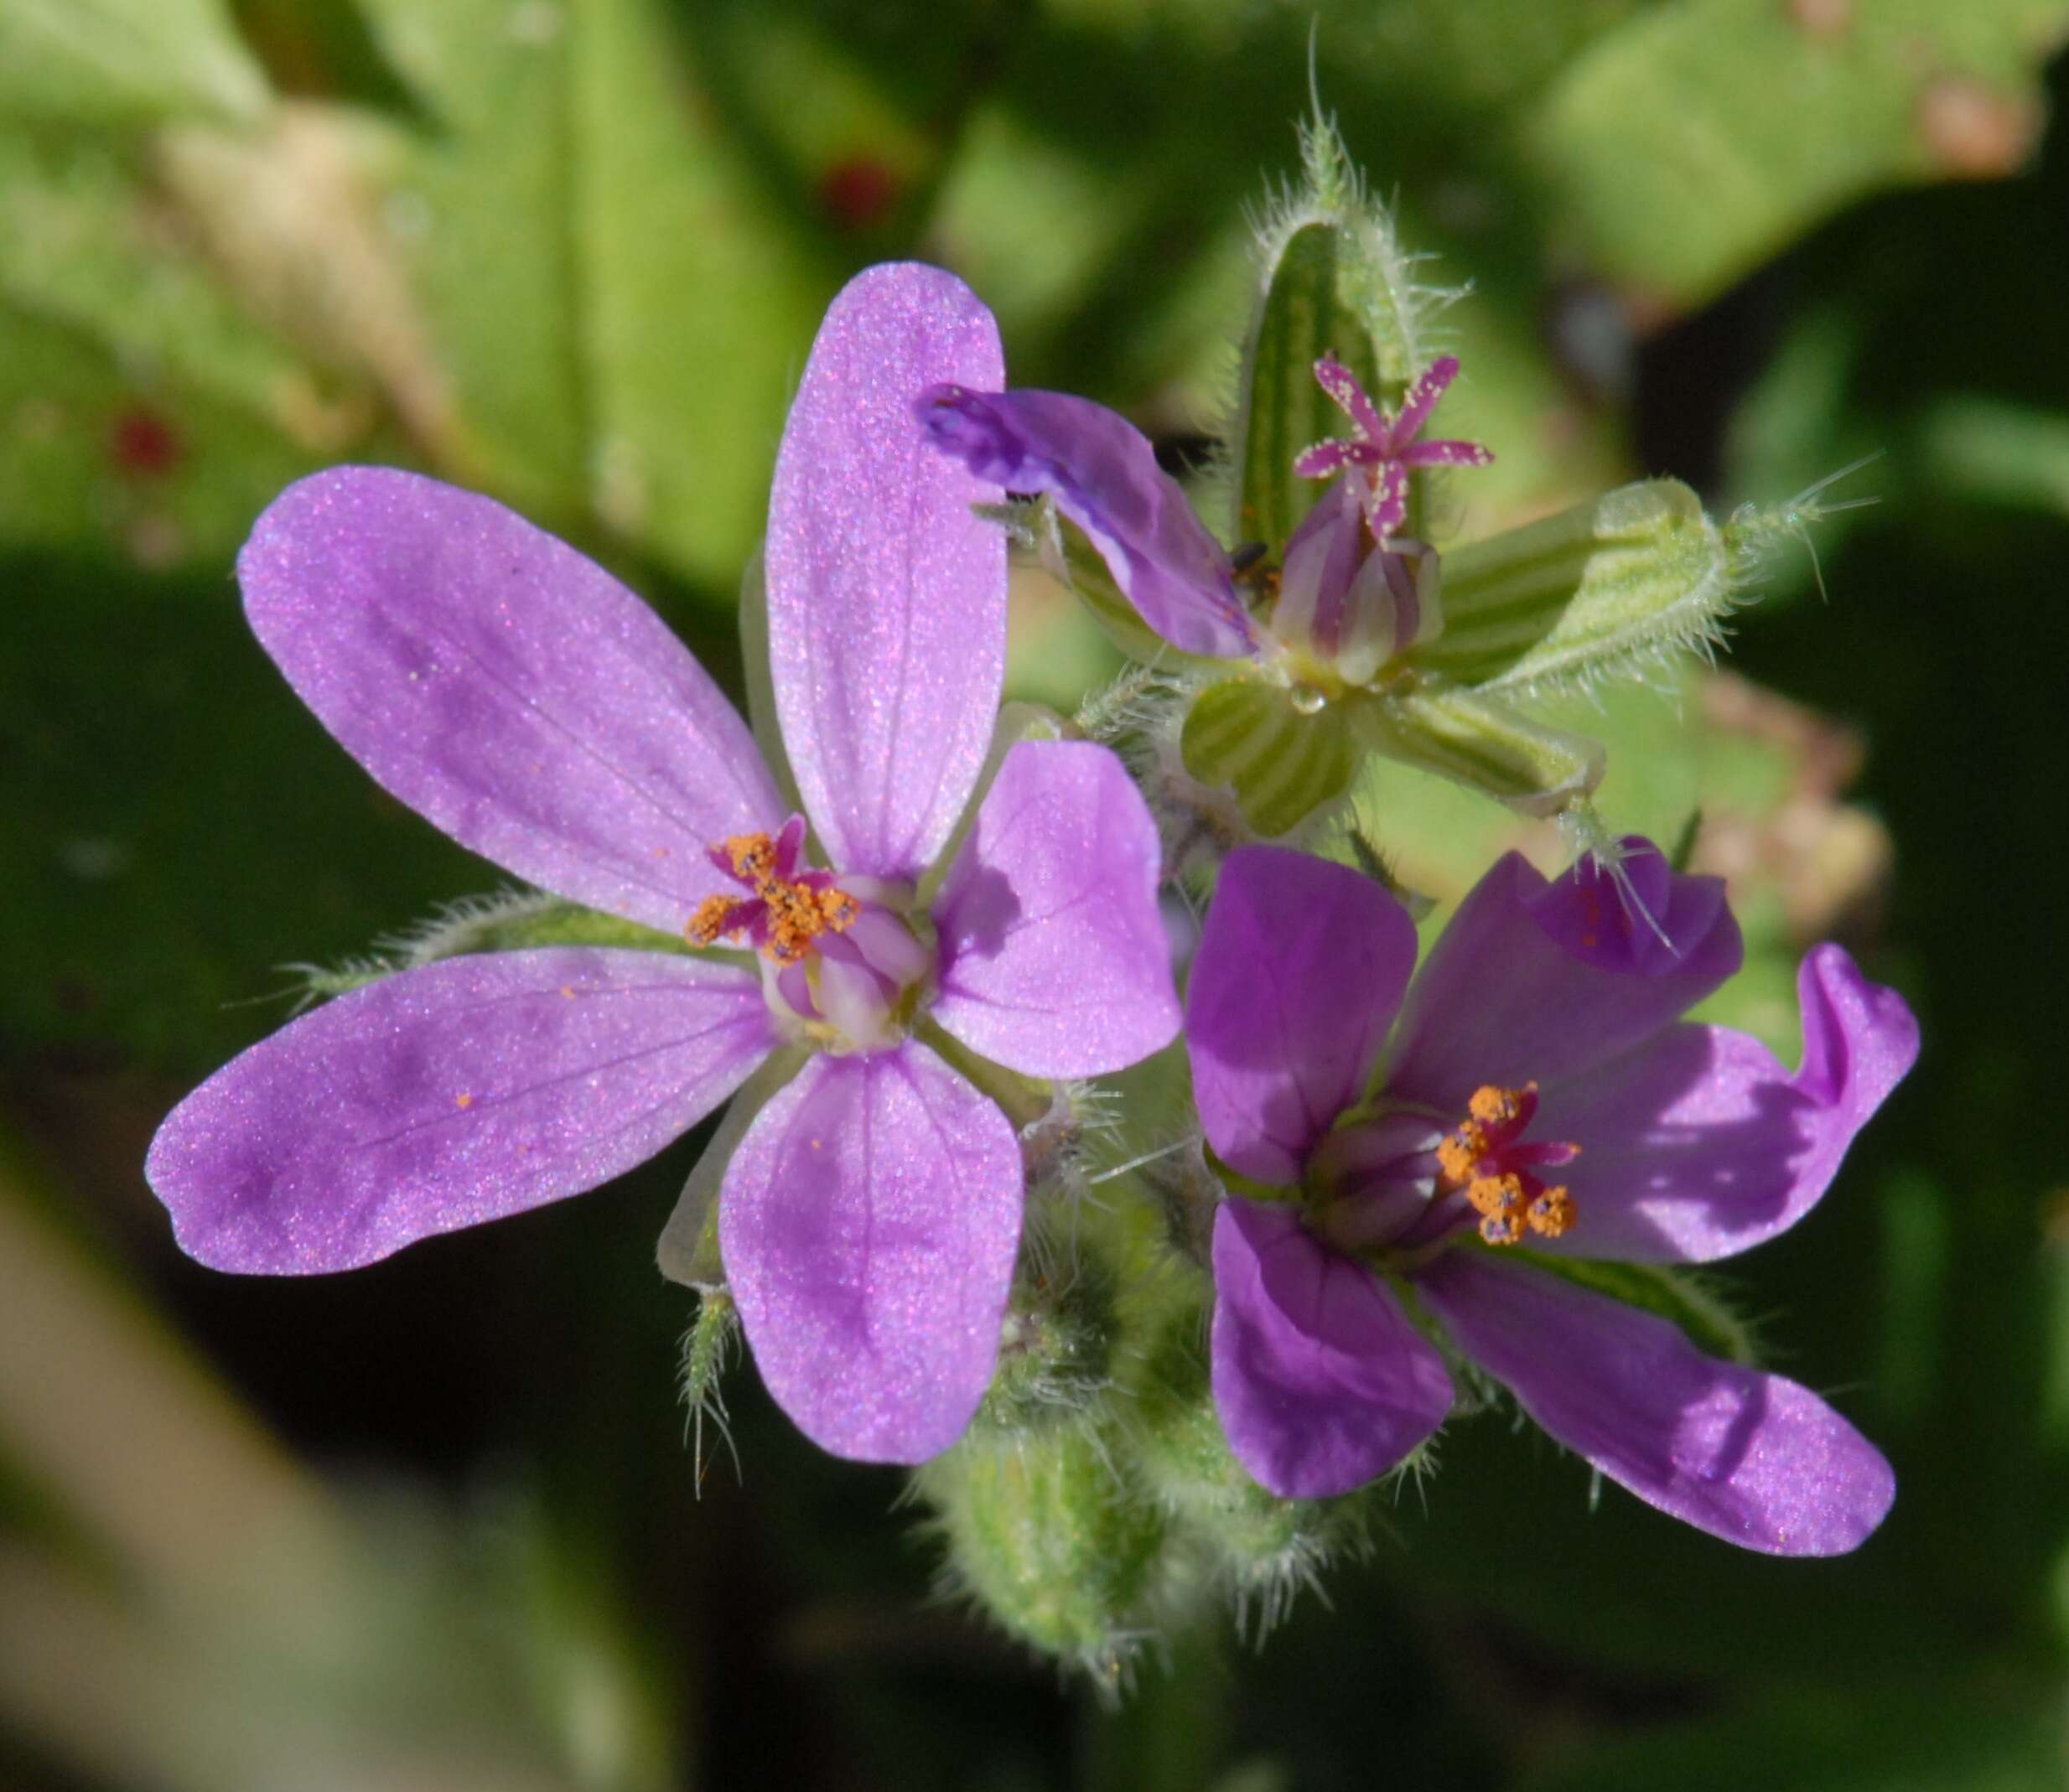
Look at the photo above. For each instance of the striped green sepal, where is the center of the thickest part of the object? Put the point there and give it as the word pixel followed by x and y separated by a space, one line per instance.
pixel 1482 744
pixel 1282 764
pixel 1616 581
pixel 1308 309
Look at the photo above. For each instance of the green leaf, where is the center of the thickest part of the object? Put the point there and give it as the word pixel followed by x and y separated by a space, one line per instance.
pixel 696 296
pixel 1618 584
pixel 1697 139
pixel 125 61
pixel 1284 762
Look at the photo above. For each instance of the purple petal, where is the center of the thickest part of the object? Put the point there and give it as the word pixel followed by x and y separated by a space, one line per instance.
pixel 1637 915
pixel 1054 956
pixel 1343 388
pixel 1103 475
pixel 1321 1383
pixel 505 687
pixel 1421 400
pixel 1747 1457
pixel 1301 965
pixel 1699 1145
pixel 1446 453
pixel 465 1091
pixel 869 1223
pixel 1500 1000
pixel 886 597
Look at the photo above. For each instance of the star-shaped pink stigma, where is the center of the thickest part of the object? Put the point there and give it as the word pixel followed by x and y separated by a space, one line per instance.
pixel 1386 445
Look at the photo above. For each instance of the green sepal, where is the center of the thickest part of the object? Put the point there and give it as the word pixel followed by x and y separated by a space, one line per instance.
pixel 1017 722
pixel 1309 309
pixel 1483 744
pixel 1052 1535
pixel 1282 764
pixel 688 1250
pixel 1236 1182
pixel 1621 580
pixel 1677 1298
pixel 760 680
pixel 515 921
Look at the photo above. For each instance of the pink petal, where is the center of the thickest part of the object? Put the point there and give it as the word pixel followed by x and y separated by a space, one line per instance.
pixel 465 1091
pixel 869 1223
pixel 1699 1145
pixel 1342 387
pixel 505 688
pixel 1300 967
pixel 1054 956
pixel 1543 982
pixel 886 597
pixel 1321 1383
pixel 1747 1457
pixel 1421 401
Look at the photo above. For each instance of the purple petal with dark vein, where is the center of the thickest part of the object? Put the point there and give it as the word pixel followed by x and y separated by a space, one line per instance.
pixel 1300 968
pixel 869 1223
pixel 1053 957
pixel 1752 1458
pixel 1103 475
pixel 886 597
pixel 505 688
pixel 439 1098
pixel 1500 1000
pixel 1321 1383
pixel 1699 1145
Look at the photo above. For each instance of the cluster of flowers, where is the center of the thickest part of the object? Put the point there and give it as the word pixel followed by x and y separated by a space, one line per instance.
pixel 891 917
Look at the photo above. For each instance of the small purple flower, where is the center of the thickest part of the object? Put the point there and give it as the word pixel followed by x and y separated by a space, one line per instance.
pixel 1382 447
pixel 1348 596
pixel 525 702
pixel 1533 1083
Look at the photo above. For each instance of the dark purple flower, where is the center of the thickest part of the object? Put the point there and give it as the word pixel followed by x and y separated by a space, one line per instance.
pixel 522 700
pixel 1533 1083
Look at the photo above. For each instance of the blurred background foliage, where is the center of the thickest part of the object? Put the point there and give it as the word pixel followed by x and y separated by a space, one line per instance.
pixel 435 1525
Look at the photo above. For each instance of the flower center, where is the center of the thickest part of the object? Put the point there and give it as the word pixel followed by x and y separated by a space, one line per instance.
pixel 1487 1156
pixel 786 910
pixel 843 965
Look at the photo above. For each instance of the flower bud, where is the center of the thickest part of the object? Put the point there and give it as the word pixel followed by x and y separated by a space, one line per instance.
pixel 1334 283
pixel 1052 1536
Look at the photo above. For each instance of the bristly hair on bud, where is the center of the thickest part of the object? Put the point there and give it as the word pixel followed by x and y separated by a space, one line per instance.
pixel 1754 530
pixel 709 1349
pixel 1391 308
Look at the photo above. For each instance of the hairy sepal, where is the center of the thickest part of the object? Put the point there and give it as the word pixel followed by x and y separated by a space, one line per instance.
pixel 1614 585
pixel 1479 742
pixel 1282 761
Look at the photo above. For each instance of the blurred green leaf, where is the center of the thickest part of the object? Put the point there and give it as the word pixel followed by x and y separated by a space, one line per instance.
pixel 1699 137
pixel 125 61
